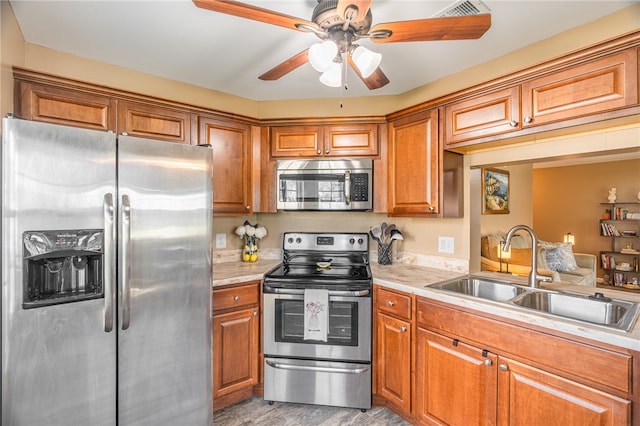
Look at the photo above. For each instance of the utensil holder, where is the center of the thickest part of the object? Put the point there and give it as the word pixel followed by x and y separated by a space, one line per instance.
pixel 384 254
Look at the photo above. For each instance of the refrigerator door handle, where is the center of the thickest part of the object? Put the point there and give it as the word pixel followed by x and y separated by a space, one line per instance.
pixel 109 261
pixel 126 242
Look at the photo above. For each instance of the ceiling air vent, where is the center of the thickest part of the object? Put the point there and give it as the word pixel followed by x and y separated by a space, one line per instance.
pixel 463 8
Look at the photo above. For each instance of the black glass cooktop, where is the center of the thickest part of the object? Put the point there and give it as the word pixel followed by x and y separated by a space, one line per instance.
pixel 313 271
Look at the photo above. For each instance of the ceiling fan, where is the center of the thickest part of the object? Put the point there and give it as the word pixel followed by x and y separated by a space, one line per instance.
pixel 340 23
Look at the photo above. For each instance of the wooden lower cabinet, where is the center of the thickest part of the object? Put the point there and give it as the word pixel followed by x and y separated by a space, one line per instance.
pixel 460 381
pixel 394 360
pixel 393 339
pixel 236 343
pixel 455 382
pixel 526 393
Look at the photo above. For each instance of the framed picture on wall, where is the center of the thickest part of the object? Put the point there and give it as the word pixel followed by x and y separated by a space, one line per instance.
pixel 495 191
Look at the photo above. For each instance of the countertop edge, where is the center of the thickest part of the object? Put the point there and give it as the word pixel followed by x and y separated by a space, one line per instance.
pixel 415 280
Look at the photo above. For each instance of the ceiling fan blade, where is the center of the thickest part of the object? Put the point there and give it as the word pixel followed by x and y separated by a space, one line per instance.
pixel 242 10
pixel 353 10
pixel 449 28
pixel 375 81
pixel 286 67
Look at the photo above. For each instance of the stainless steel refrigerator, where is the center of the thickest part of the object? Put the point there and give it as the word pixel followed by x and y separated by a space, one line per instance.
pixel 106 279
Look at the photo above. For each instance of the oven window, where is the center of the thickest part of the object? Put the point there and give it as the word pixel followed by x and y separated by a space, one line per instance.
pixel 343 323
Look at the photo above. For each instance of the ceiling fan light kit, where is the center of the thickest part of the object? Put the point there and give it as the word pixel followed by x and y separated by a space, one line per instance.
pixel 333 76
pixel 321 55
pixel 366 60
pixel 339 23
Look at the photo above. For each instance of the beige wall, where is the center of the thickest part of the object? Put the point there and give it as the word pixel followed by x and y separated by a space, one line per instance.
pixel 569 199
pixel 421 234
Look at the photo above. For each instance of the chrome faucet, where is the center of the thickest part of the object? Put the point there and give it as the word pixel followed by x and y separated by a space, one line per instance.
pixel 534 278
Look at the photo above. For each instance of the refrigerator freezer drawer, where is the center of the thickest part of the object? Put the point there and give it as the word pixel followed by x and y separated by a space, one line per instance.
pixel 339 384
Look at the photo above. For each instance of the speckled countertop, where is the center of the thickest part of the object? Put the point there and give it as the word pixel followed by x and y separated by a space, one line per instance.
pixel 413 279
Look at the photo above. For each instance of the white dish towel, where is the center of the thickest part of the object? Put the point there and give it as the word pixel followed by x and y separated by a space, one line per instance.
pixel 316 314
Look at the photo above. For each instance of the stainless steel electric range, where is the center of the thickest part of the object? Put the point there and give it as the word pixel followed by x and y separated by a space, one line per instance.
pixel 332 365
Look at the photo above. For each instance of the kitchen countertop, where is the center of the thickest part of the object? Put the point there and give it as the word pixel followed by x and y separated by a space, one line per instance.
pixel 412 279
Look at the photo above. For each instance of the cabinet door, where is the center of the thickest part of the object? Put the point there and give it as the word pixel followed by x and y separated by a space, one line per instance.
pixel 154 122
pixel 235 351
pixel 414 165
pixel 393 373
pixel 50 104
pixel 526 393
pixel 490 114
pixel 296 141
pixel 455 382
pixel 231 145
pixel 590 88
pixel 351 140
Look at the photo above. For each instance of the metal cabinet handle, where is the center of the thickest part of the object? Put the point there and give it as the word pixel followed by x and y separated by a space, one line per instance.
pixel 403 328
pixel 513 123
pixel 109 261
pixel 504 367
pixel 390 303
pixel 431 208
pixel 247 207
pixel 327 151
pixel 126 261
pixel 236 298
pixel 319 152
pixel 528 119
pixel 488 362
pixel 255 313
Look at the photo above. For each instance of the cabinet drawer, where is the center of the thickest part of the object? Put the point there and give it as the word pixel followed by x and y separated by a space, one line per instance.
pixel 394 303
pixel 232 297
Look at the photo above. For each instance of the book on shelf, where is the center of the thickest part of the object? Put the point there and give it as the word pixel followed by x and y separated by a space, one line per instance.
pixel 609 230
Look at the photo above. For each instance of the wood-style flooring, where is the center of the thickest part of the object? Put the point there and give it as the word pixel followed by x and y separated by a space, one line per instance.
pixel 255 411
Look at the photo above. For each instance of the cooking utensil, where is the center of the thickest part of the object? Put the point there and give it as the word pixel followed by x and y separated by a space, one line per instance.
pixel 376 232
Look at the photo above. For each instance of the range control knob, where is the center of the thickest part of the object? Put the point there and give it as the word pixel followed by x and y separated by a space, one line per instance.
pixel 352 241
pixel 298 240
pixel 290 240
pixel 360 241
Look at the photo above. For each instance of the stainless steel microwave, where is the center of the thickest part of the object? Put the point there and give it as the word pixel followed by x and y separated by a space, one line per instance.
pixel 325 185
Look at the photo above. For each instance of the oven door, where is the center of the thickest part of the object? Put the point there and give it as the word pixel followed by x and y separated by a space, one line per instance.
pixel 349 332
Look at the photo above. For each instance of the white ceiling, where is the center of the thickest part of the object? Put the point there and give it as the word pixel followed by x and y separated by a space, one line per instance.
pixel 178 41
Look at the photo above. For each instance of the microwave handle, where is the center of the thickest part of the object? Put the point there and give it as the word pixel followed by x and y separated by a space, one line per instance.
pixel 347 187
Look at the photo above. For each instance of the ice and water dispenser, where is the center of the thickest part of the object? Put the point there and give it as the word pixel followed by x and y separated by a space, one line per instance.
pixel 62 266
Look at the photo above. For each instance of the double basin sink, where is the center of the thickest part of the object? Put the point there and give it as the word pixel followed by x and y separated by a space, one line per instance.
pixel 594 309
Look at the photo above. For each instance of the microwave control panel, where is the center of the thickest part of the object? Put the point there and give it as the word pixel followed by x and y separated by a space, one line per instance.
pixel 360 187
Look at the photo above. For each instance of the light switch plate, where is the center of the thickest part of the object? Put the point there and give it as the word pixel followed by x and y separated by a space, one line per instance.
pixel 445 245
pixel 221 241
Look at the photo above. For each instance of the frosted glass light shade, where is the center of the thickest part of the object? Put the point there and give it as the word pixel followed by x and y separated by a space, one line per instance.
pixel 333 76
pixel 321 55
pixel 366 60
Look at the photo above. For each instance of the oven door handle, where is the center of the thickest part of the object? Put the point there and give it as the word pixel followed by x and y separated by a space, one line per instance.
pixel 357 293
pixel 281 366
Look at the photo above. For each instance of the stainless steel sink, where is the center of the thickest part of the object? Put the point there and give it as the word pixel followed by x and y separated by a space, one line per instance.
pixel 481 287
pixel 594 309
pixel 619 314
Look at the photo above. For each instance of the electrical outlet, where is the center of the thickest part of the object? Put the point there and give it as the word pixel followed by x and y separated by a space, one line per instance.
pixel 221 241
pixel 445 245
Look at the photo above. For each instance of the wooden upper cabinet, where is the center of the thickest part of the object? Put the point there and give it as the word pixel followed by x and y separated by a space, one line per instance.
pixel 414 165
pixel 351 140
pixel 590 88
pixel 154 122
pixel 338 140
pixel 489 114
pixel 69 107
pixel 296 141
pixel 231 143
